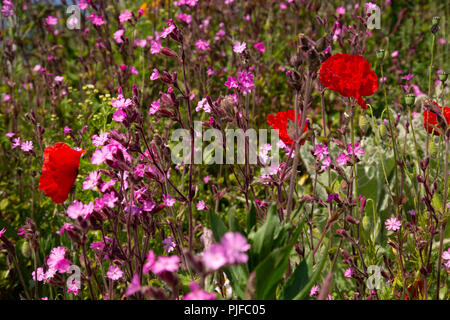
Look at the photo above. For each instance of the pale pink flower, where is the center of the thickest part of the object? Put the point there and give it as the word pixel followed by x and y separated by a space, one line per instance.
pixel 114 273
pixel 134 286
pixel 325 163
pixel 393 224
pixel 231 83
pixel 239 47
pixel 201 205
pixel 57 261
pixel 100 140
pixel 260 47
pixel 168 200
pixel 198 294
pixel 125 16
pixel 202 45
pixel 320 151
pixel 214 257
pixel 16 143
pixel 150 261
pixel 155 75
pixel 203 105
pixel 235 245
pixel 169 244
pixel 91 180
pixel 119 115
pixel 118 35
pixel 27 146
pixel 133 70
pixel 154 107
pixel 314 291
pixel 168 31
pixel 169 264
pixel 83 4
pixel 446 254
pixel 140 43
pixel 340 10
pixel 39 276
pixel 73 287
pixel 110 199
pixel 358 150
pixel 348 273
pixel 155 47
pixel 51 21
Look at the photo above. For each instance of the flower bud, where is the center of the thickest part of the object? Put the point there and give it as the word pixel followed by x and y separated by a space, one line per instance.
pixel 443 76
pixel 392 244
pixel 342 232
pixel 380 54
pixel 363 123
pixel 382 131
pixel 345 254
pixel 432 148
pixel 351 220
pixel 435 21
pixel 366 223
pixel 409 99
pixel 169 53
pixel 25 249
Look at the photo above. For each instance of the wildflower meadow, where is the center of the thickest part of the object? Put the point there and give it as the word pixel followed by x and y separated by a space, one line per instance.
pixel 224 150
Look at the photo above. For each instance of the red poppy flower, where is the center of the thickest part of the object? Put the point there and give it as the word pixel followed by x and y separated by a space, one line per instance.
pixel 59 171
pixel 350 75
pixel 283 122
pixel 430 119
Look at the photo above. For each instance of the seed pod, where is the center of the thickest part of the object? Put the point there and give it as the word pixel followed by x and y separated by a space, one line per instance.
pixel 25 249
pixel 382 130
pixel 380 54
pixel 409 99
pixel 366 223
pixel 363 123
pixel 443 76
pixel 432 148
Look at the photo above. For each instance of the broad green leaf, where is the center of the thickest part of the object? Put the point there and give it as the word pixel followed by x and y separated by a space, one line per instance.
pixel 238 279
pixel 233 222
pixel 314 277
pixel 251 218
pixel 217 226
pixel 262 243
pixel 270 272
pixel 296 282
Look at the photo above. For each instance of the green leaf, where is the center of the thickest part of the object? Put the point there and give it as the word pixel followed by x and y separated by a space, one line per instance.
pixel 4 203
pixel 296 282
pixel 217 226
pixel 270 271
pixel 233 222
pixel 263 239
pixel 304 292
pixel 238 279
pixel 251 218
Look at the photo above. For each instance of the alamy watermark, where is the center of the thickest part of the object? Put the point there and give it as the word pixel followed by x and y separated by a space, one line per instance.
pixel 374 21
pixel 254 141
pixel 375 280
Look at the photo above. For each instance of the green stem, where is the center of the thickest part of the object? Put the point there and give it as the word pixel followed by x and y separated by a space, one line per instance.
pixel 355 174
pixel 391 124
pixel 377 142
pixel 429 95
pixel 444 217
